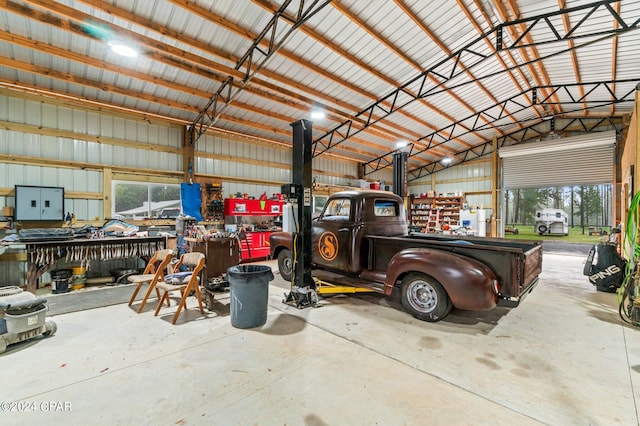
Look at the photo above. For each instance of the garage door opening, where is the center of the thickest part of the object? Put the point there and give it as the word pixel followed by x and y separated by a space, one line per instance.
pixel 588 210
pixel 573 174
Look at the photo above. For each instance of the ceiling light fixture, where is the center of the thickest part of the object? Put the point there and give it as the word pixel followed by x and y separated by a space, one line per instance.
pixel 318 114
pixel 402 144
pixel 446 160
pixel 122 49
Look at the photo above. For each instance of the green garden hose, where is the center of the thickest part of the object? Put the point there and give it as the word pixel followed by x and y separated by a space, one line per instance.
pixel 632 251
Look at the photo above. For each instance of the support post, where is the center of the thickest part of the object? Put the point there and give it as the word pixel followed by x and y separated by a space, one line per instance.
pixel 303 292
pixel 400 174
pixel 303 176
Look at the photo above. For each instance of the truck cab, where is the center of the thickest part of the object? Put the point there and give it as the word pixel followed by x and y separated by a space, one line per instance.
pixel 339 232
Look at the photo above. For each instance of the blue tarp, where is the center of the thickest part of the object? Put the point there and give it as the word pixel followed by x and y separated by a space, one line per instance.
pixel 191 200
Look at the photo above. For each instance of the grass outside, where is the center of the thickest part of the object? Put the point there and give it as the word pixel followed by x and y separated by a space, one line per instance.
pixel 576 235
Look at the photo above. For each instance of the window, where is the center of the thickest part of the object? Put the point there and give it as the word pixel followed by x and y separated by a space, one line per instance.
pixel 385 208
pixel 338 209
pixel 135 200
pixel 318 203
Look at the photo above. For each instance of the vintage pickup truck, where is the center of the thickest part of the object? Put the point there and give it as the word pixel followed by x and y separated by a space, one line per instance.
pixel 362 238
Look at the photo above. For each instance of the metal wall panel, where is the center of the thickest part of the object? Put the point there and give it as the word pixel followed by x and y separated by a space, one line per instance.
pixel 472 177
pixel 4 108
pixel 252 190
pixel 480 201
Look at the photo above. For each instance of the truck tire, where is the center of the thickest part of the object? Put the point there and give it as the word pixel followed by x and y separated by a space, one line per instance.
pixel 285 264
pixel 424 298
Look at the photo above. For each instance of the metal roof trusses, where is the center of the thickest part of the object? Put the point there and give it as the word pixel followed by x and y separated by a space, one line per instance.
pixel 587 95
pixel 471 55
pixel 253 60
pixel 532 131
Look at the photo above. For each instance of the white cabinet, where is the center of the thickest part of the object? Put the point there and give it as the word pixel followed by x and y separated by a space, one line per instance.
pixel 39 203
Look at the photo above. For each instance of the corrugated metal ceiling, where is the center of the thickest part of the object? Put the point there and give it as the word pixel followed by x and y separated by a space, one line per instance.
pixel 351 58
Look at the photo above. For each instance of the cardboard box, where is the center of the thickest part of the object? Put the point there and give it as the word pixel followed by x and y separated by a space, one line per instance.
pixel 7 211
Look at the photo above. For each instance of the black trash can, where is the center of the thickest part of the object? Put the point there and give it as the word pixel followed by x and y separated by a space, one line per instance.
pixel 249 294
pixel 61 279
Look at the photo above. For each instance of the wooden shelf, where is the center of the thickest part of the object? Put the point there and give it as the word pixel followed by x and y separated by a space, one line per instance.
pixel 431 213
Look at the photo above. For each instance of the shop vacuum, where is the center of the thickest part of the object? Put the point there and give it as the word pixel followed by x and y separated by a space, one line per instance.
pixel 22 317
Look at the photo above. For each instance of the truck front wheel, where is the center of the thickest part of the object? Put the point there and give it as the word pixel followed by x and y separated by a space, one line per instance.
pixel 424 298
pixel 285 264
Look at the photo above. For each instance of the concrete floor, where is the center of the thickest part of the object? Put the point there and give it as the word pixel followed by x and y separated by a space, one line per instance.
pixel 562 358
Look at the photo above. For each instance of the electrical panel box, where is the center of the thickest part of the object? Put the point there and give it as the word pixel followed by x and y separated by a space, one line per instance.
pixel 39 203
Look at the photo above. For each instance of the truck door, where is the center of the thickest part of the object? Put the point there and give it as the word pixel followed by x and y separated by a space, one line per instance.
pixel 331 235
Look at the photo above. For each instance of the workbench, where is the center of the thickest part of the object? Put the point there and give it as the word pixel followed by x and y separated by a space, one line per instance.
pixel 43 255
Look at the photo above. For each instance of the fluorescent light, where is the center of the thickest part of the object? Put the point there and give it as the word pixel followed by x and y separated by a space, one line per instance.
pixel 318 114
pixel 123 49
pixel 445 160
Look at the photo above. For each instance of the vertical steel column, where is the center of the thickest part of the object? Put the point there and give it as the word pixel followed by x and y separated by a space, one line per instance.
pixel 302 178
pixel 400 174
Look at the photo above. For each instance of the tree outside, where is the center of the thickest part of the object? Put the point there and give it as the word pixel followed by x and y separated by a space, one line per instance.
pixel 586 206
pixel 132 196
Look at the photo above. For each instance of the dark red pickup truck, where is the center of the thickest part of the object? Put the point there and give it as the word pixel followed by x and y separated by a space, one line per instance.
pixel 362 238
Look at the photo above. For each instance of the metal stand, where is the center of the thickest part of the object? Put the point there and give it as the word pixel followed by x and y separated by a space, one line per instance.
pixel 302 292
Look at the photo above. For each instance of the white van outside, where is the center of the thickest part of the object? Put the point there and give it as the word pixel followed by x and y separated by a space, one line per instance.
pixel 552 221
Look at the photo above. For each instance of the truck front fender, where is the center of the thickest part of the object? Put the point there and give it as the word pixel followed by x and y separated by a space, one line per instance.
pixel 469 283
pixel 279 241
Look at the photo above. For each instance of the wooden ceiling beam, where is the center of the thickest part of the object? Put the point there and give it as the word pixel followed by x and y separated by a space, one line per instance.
pixel 177 57
pixel 317 96
pixel 574 55
pixel 287 120
pixel 445 49
pixel 47 49
pixel 82 81
pixel 541 70
pixel 508 53
pixel 34 93
pixel 23 66
pixel 34 14
pixel 82 59
pixel 267 5
pixel 373 33
pixel 614 55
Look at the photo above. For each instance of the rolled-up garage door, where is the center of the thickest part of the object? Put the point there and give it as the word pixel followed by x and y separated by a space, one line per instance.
pixel 578 160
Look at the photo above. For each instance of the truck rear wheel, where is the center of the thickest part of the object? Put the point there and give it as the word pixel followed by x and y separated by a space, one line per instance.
pixel 424 298
pixel 285 264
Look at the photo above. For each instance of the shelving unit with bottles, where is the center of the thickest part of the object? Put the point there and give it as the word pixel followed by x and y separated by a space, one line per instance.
pixel 437 213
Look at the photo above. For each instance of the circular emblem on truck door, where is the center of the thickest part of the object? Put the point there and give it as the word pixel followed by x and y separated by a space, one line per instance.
pixel 328 246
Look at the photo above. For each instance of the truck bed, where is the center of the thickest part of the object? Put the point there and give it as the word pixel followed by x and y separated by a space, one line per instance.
pixel 516 263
